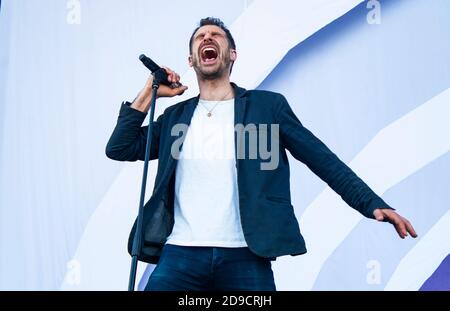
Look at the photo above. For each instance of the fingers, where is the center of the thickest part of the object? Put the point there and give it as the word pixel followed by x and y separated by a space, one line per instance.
pixel 405 228
pixel 178 90
pixel 399 232
pixel 401 224
pixel 401 228
pixel 410 228
pixel 167 70
pixel 172 76
pixel 397 221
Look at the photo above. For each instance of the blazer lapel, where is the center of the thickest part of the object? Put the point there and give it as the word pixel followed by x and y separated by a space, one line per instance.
pixel 240 106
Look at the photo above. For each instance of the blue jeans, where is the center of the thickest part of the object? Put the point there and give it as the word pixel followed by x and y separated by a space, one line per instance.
pixel 194 268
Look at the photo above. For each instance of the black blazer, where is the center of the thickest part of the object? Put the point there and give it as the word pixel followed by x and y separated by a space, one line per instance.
pixel 267 216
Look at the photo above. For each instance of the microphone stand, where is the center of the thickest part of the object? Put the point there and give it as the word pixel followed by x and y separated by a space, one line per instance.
pixel 159 76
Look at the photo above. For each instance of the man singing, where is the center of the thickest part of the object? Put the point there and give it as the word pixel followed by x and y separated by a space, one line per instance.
pixel 221 210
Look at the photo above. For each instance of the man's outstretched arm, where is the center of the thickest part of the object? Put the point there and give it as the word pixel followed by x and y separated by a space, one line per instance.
pixel 310 150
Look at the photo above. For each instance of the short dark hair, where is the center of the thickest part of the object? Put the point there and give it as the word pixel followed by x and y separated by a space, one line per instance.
pixel 216 22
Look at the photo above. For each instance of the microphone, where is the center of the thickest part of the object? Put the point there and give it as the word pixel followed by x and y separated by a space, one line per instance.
pixel 157 71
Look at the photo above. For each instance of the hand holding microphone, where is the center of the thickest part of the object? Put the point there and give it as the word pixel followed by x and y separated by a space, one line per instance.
pixel 170 85
pixel 169 80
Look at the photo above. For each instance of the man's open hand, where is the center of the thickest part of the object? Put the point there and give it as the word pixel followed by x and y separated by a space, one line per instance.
pixel 401 224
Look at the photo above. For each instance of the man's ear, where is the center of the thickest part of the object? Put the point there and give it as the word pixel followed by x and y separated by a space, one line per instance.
pixel 233 55
pixel 190 61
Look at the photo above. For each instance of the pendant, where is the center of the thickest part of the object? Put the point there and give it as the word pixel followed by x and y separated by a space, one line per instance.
pixel 209 114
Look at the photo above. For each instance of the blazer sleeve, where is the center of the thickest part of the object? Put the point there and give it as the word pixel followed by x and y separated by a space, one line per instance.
pixel 310 150
pixel 129 137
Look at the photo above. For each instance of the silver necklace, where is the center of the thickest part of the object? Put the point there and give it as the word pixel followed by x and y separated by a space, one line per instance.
pixel 209 114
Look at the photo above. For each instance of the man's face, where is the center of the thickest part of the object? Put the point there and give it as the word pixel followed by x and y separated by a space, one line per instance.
pixel 211 54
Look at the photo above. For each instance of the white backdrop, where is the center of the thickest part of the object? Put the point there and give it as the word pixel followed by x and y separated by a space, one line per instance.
pixel 370 78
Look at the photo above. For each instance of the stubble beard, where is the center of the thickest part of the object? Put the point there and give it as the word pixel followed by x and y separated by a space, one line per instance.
pixel 221 70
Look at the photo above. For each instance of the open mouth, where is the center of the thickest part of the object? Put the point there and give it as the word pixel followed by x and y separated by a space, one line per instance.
pixel 209 54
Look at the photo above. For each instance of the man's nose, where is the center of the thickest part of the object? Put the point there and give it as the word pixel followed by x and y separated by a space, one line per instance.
pixel 207 37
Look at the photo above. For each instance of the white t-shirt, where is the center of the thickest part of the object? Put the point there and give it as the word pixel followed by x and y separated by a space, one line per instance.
pixel 206 203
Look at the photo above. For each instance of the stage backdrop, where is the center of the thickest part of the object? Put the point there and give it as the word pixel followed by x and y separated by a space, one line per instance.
pixel 370 78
